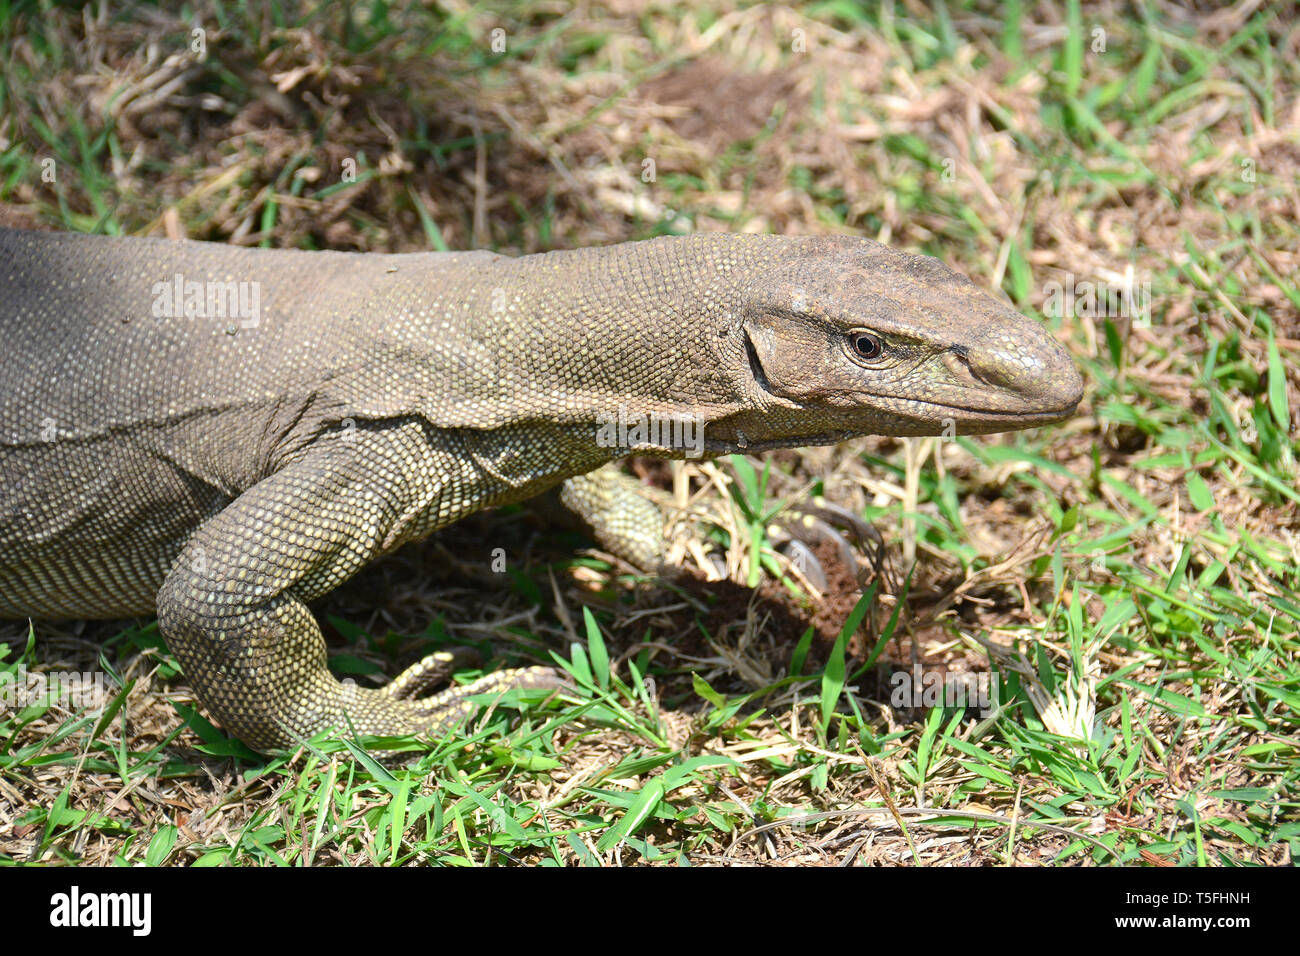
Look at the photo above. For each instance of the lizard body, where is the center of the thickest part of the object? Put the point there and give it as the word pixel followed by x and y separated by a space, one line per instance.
pixel 225 470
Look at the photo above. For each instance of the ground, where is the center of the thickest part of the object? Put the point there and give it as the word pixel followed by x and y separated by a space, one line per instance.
pixel 1128 578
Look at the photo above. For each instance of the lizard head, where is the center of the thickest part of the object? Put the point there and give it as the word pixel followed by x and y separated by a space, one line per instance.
pixel 863 339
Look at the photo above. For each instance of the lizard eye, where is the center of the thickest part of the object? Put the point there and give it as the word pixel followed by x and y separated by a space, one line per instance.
pixel 865 345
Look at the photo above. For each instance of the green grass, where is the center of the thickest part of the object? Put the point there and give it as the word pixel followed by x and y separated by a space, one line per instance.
pixel 1130 576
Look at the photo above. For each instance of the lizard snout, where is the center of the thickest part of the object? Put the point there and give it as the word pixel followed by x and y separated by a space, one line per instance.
pixel 1035 369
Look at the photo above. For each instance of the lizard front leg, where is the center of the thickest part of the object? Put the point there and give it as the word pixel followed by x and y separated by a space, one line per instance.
pixel 233 608
pixel 614 507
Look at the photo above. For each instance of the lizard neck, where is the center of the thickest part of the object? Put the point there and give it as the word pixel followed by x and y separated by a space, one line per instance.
pixel 643 341
pixel 634 347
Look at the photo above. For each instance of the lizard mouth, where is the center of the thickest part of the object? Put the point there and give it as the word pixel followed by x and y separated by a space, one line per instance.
pixel 976 413
pixel 970 421
pixel 755 364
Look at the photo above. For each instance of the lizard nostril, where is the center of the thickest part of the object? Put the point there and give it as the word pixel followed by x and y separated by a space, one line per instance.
pixel 959 362
pixel 1043 376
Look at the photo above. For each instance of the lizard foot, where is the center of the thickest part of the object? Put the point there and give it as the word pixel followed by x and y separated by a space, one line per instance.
pixel 452 706
pixel 430 672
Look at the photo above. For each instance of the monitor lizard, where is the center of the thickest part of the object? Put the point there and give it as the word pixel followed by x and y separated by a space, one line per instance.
pixel 221 435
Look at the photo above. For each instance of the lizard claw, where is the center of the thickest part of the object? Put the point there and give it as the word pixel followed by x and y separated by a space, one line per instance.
pixel 806 525
pixel 803 558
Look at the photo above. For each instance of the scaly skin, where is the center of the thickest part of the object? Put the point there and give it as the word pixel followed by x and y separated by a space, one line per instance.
pixel 225 476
